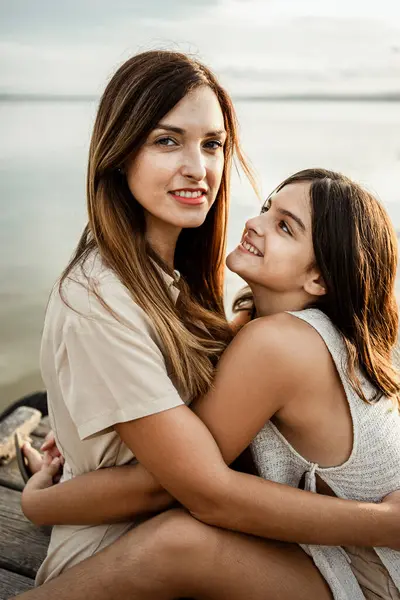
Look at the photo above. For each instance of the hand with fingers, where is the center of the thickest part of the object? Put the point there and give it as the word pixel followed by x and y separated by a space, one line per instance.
pixel 49 447
pixel 49 473
pixel 30 461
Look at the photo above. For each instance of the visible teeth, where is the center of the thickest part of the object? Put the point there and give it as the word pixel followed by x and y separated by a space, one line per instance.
pixel 251 248
pixel 187 194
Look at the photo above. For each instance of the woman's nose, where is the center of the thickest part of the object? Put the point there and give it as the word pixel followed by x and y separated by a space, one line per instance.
pixel 193 166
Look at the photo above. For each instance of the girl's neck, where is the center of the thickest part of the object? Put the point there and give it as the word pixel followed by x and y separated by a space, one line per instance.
pixel 269 303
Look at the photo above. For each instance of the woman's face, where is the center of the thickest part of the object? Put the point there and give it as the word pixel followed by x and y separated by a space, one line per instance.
pixel 177 172
pixel 276 250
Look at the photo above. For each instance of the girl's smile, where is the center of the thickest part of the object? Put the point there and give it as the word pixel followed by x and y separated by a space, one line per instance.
pixel 247 246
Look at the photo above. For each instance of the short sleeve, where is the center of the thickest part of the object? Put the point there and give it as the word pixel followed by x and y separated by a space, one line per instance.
pixel 112 371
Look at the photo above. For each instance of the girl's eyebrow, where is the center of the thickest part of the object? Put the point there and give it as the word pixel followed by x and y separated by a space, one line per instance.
pixel 181 131
pixel 295 218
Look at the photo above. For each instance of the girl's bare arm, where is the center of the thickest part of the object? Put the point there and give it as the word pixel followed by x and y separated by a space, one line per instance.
pixel 252 383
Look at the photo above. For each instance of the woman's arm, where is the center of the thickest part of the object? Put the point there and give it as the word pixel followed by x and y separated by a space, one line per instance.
pixel 103 496
pixel 216 495
pixel 109 495
pixel 251 385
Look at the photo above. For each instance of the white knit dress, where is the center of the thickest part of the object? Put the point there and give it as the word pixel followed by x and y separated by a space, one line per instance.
pixel 371 472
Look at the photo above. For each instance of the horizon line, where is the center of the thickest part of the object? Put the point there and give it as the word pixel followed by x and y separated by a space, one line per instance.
pixel 339 97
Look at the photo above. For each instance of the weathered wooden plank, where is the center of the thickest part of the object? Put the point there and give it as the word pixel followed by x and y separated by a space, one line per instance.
pixel 12 584
pixel 10 476
pixel 22 421
pixel 23 546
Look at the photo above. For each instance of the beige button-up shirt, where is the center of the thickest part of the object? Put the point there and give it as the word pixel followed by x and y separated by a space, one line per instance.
pixel 98 371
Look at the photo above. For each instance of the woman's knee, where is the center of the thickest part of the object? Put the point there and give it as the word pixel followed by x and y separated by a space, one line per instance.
pixel 177 533
pixel 168 551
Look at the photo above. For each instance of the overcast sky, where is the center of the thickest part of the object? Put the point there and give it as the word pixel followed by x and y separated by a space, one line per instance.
pixel 72 47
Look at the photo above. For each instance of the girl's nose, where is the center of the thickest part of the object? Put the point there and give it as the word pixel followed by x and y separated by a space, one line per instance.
pixel 254 225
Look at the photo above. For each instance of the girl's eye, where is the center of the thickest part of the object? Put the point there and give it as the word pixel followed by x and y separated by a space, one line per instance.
pixel 284 227
pixel 166 141
pixel 213 144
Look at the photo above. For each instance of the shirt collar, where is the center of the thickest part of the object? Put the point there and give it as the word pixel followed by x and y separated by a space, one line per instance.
pixel 170 280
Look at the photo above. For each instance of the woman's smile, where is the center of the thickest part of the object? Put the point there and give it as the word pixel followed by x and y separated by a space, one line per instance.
pixel 190 196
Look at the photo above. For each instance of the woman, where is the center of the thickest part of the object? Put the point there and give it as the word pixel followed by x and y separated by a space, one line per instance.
pixel 97 338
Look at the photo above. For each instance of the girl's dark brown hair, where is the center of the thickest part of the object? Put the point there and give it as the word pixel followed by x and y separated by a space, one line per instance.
pixel 355 247
pixel 143 90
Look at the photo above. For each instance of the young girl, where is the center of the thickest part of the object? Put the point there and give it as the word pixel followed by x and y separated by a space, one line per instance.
pixel 119 356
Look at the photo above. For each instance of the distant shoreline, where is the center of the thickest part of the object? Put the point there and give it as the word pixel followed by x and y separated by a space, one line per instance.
pixel 312 97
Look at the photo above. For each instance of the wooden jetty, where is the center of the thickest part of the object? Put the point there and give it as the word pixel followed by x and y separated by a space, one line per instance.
pixel 22 545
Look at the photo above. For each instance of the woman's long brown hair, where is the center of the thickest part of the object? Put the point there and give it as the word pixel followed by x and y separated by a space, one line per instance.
pixel 195 331
pixel 355 247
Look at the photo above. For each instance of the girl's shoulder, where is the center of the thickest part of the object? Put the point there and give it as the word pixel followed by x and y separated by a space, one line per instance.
pixel 285 337
pixel 293 344
pixel 289 327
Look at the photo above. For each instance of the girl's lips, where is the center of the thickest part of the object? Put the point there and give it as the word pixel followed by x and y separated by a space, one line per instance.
pixel 243 249
pixel 246 240
pixel 192 201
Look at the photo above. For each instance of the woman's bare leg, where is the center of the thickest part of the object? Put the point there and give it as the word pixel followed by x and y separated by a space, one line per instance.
pixel 173 555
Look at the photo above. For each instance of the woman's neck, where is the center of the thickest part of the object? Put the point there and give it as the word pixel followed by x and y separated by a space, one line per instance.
pixel 162 237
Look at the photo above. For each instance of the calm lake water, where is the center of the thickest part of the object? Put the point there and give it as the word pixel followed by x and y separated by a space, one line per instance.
pixel 42 193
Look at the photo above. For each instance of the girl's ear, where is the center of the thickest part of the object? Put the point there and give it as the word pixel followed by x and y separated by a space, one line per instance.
pixel 314 284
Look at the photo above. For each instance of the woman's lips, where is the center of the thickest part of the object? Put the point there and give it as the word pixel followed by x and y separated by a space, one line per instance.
pixel 191 200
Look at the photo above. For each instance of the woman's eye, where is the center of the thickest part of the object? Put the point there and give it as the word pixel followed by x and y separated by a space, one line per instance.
pixel 284 227
pixel 213 144
pixel 166 141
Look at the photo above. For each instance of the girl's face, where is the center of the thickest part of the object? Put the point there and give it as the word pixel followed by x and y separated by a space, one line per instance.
pixel 276 251
pixel 177 172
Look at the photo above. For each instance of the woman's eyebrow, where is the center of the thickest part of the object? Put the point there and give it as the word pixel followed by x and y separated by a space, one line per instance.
pixel 170 128
pixel 181 131
pixel 295 218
